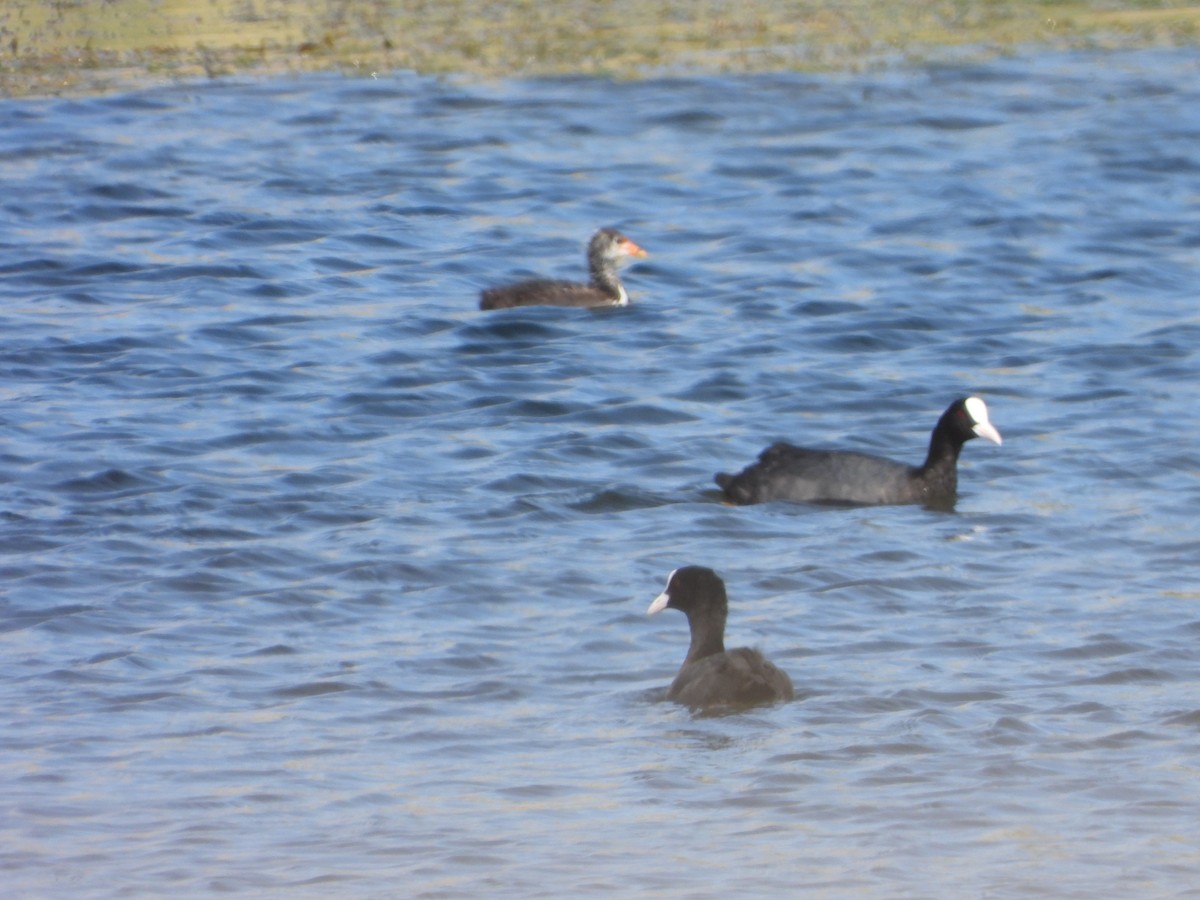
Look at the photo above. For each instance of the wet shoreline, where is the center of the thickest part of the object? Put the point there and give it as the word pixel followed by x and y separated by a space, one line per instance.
pixel 79 49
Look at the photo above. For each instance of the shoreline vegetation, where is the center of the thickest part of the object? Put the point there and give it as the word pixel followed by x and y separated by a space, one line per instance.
pixel 78 47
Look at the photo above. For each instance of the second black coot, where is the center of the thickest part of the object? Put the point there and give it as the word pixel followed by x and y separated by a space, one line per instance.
pixel 713 679
pixel 607 250
pixel 801 474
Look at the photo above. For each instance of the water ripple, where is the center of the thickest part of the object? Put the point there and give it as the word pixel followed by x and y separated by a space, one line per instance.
pixel 315 577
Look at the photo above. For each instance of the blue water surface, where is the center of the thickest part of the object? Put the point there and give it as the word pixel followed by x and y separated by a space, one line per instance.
pixel 317 581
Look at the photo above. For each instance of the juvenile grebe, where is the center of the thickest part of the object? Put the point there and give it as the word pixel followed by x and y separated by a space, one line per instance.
pixel 607 249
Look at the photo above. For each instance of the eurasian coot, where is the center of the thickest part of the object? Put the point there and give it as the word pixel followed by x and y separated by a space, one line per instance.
pixel 713 678
pixel 784 472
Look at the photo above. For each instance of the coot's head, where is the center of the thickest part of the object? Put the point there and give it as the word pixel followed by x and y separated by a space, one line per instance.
pixel 694 591
pixel 967 418
pixel 610 244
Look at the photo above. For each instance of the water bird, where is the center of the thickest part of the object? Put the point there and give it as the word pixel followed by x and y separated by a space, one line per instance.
pixel 607 250
pixel 713 679
pixel 804 475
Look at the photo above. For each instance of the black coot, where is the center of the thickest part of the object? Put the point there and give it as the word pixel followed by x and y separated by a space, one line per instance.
pixel 784 472
pixel 607 249
pixel 712 678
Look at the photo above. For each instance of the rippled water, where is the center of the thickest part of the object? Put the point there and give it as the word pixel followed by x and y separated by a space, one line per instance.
pixel 317 580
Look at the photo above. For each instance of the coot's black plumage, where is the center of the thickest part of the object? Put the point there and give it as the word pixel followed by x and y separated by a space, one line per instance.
pixel 713 678
pixel 607 249
pixel 784 472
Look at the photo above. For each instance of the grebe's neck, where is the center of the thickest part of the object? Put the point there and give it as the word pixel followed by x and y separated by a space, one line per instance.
pixel 604 277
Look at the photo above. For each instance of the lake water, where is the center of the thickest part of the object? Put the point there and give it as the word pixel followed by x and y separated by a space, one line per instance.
pixel 317 581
